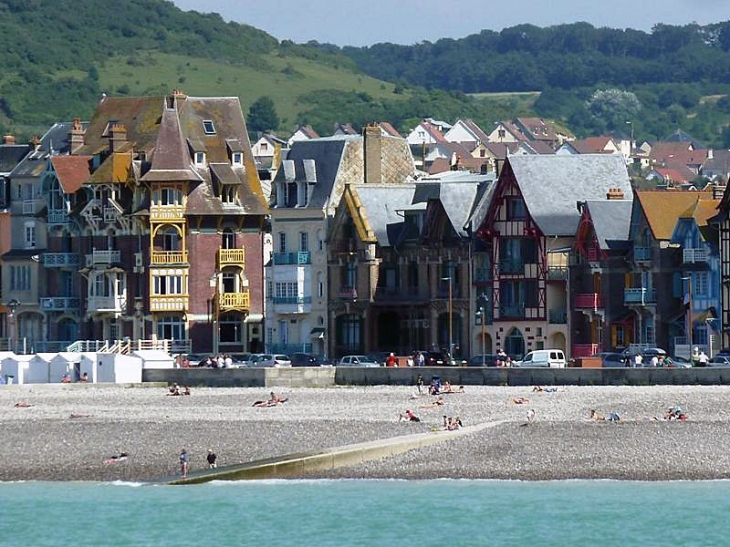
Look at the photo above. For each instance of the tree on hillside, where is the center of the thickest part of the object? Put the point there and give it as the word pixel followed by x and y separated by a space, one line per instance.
pixel 612 108
pixel 262 115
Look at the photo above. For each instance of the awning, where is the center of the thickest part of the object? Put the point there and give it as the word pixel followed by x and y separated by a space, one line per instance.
pixel 317 332
pixel 254 318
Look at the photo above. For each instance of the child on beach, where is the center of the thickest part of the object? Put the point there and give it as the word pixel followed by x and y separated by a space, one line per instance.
pixel 184 460
pixel 408 416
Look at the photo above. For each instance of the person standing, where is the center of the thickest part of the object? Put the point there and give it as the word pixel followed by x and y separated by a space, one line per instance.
pixel 638 360
pixel 702 359
pixel 184 461
pixel 211 457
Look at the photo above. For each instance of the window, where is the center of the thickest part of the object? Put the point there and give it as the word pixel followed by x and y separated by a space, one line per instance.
pixel 171 328
pixel 516 209
pixel 168 284
pixel 304 242
pixel 29 235
pixel 171 240
pixel 264 147
pixel 349 280
pixel 209 127
pixel 320 285
pixel 320 241
pixel 282 242
pixel 286 289
pixel 228 193
pixel 270 289
pixel 229 239
pixel 237 158
pixel 19 278
pixel 482 153
pixel 170 196
pixel 283 333
pixel 231 329
pixel 302 194
pixel 200 158
pixel 701 285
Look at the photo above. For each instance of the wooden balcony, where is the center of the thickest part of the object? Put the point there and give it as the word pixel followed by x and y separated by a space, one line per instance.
pixel 232 257
pixel 167 213
pixel 169 302
pixel 234 301
pixel 168 258
pixel 589 301
pixel 640 296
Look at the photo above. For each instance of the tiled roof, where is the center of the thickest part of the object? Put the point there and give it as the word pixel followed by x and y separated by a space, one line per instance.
pixel 537 129
pixel 537 148
pixel 433 131
pixel 389 129
pixel 662 208
pixel 72 171
pixel 592 145
pixel 679 174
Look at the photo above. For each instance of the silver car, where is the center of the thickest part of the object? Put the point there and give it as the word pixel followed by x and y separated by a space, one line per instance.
pixel 357 361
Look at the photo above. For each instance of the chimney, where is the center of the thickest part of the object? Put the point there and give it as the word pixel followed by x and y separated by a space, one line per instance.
pixel 35 142
pixel 176 95
pixel 117 136
pixel 373 154
pixel 498 165
pixel 710 154
pixel 8 139
pixel 615 193
pixel 76 135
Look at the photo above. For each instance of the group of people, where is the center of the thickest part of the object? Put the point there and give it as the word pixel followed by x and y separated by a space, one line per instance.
pixel 503 360
pixel 175 390
pixel 672 413
pixel 452 424
pixel 211 458
pixel 222 360
pixel 66 378
pixel 437 388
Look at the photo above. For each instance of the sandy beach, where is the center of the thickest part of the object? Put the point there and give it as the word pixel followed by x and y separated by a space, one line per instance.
pixel 67 432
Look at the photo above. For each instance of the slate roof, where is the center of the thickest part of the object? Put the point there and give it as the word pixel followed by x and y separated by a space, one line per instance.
pixel 537 129
pixel 551 186
pixel 54 141
pixel 458 200
pixel 662 208
pixel 381 204
pixel 71 171
pixel 11 155
pixel 611 222
pixel 719 163
pixel 171 159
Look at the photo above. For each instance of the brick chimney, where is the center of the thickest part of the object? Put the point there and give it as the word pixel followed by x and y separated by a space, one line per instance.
pixel 117 136
pixel 76 135
pixel 615 193
pixel 373 154
pixel 8 139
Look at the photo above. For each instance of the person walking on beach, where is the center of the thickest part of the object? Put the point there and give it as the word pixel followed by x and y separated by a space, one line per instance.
pixel 184 461
pixel 211 457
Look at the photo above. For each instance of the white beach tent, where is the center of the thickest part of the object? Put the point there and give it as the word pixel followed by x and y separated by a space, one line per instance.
pixel 112 368
pixel 17 367
pixel 155 359
pixel 39 369
pixel 63 363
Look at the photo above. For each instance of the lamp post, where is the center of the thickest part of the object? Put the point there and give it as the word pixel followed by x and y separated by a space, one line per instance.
pixel 688 279
pixel 451 316
pixel 13 306
pixel 631 146
pixel 482 301
pixel 214 282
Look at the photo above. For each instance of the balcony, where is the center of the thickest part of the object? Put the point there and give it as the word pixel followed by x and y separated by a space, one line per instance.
pixel 60 303
pixel 512 266
pixel 295 258
pixel 234 301
pixel 693 256
pixel 167 213
pixel 105 304
pixel 642 254
pixel 231 257
pixel 57 217
pixel 640 296
pixel 292 300
pixel 292 304
pixel 513 311
pixel 347 293
pixel 103 258
pixel 61 260
pixel 168 258
pixel 169 302
pixel 558 317
pixel 557 273
pixel 584 350
pixel 591 300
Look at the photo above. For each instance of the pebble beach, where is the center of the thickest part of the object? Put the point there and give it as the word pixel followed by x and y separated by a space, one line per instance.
pixel 66 432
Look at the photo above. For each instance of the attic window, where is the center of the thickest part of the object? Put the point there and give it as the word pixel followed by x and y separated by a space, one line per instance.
pixel 208 127
pixel 200 159
pixel 237 158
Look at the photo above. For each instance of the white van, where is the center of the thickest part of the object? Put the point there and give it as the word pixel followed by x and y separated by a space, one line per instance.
pixel 551 358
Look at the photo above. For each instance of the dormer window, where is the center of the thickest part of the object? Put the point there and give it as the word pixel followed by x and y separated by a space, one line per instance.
pixel 209 127
pixel 264 147
pixel 237 158
pixel 200 159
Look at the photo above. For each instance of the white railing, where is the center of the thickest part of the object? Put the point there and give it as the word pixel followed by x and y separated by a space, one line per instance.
pixel 690 256
pixel 128 346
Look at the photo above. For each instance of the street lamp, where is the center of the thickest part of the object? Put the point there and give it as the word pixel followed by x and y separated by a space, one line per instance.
pixel 688 279
pixel 451 316
pixel 214 282
pixel 482 301
pixel 13 306
pixel 631 123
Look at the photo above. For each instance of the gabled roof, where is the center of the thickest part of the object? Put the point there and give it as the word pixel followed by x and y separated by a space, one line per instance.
pixel 344 129
pixel 551 186
pixel 381 207
pixel 72 171
pixel 11 155
pixel 591 145
pixel 458 200
pixel 54 141
pixel 307 131
pixel 433 131
pixel 171 159
pixel 719 162
pixel 536 148
pixel 537 129
pixel 611 220
pixel 682 136
pixel 388 129
pixel 680 173
pixel 662 208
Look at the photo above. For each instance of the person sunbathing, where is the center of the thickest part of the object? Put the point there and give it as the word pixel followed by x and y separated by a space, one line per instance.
pixel 520 400
pixel 22 405
pixel 273 400
pixel 117 459
pixel 446 388
pixel 597 416
pixel 408 416
pixel 437 402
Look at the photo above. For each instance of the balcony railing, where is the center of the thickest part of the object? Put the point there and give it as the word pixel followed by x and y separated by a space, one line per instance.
pixel 292 300
pixel 584 350
pixel 60 303
pixel 642 254
pixel 168 258
pixel 295 258
pixel 61 260
pixel 169 302
pixel 348 293
pixel 558 317
pixel 103 257
pixel 511 266
pixel 557 273
pixel 234 300
pixel 640 296
pixel 57 217
pixel 95 304
pixel 231 257
pixel 691 256
pixel 289 349
pixel 589 301
pixel 512 311
pixel 167 212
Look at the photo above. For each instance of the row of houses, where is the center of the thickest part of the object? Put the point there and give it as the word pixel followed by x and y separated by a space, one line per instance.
pixel 152 222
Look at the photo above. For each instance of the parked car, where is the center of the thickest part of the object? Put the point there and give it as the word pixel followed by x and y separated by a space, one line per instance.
pixel 487 360
pixel 612 359
pixel 649 353
pixel 357 361
pixel 719 361
pixel 274 360
pixel 240 359
pixel 551 358
pixel 437 359
pixel 308 360
pixel 379 357
pixel 255 359
pixel 680 362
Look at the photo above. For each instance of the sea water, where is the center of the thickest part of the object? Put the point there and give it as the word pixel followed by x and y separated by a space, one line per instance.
pixel 359 512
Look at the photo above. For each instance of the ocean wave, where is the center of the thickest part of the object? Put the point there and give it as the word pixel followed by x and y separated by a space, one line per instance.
pixel 130 484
